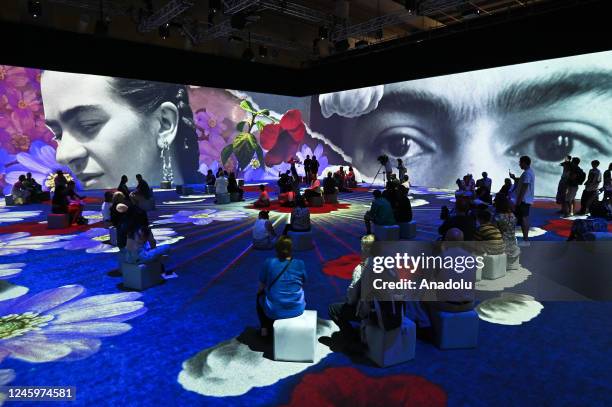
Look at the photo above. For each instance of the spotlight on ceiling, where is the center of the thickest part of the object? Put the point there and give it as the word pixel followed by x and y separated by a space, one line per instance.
pixel 412 6
pixel 248 55
pixel 214 6
pixel 263 51
pixel 323 33
pixel 34 8
pixel 164 31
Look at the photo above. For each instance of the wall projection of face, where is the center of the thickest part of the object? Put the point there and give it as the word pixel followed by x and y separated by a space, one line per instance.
pixel 445 127
pixel 98 128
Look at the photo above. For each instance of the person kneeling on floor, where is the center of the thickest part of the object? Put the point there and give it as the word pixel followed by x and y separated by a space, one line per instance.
pixel 281 287
pixel 264 199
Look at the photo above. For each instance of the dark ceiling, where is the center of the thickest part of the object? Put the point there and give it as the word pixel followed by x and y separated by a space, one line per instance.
pixel 280 32
pixel 520 32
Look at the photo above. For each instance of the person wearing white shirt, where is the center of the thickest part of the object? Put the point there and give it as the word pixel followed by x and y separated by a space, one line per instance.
pixel 525 186
pixel 221 184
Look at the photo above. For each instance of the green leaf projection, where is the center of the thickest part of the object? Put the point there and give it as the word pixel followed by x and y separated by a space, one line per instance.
pixel 244 146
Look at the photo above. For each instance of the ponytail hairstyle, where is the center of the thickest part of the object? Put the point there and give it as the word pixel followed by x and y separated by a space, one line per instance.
pixel 145 97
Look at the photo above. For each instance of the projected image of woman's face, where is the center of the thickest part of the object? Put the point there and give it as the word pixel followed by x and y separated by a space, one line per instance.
pixel 448 126
pixel 99 136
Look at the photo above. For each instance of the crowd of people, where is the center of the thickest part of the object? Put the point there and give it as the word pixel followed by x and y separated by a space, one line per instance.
pixel 27 190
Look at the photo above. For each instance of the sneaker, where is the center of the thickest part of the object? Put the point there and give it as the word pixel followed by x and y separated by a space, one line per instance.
pixel 169 276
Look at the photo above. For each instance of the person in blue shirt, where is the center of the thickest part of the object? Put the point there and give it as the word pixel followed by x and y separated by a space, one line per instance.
pixel 380 213
pixel 281 287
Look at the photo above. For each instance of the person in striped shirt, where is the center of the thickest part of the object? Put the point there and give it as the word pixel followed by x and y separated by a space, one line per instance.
pixel 489 234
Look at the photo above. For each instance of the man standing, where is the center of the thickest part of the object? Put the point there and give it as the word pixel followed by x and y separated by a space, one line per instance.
pixel 143 188
pixel 314 166
pixel 525 186
pixel 388 169
pixel 590 188
pixel 307 167
pixel 576 176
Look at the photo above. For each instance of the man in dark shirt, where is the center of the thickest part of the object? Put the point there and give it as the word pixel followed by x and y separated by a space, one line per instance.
pixel 314 165
pixel 461 220
pixel 307 166
pixel 143 188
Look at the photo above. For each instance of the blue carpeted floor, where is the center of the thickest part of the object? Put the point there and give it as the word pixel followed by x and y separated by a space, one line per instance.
pixel 561 357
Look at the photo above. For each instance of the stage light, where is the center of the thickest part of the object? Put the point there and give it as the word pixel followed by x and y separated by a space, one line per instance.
pixel 164 31
pixel 263 51
pixel 412 6
pixel 34 8
pixel 323 33
pixel 214 6
pixel 248 55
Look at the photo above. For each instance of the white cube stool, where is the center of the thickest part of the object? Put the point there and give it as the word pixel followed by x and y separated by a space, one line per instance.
pixel 57 221
pixel 295 339
pixel 315 201
pixel 387 348
pixel 300 240
pixel 141 276
pixel 455 330
pixel 494 266
pixel 390 232
pixel 223 198
pixel 112 232
pixel 331 198
pixel 408 230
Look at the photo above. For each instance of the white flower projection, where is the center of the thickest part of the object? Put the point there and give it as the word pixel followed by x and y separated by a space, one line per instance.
pixel 351 103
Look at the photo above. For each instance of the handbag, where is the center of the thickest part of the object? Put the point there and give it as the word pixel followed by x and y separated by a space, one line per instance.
pixel 275 279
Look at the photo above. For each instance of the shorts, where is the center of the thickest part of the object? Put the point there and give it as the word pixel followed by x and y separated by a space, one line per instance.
pixel 522 210
pixel 570 195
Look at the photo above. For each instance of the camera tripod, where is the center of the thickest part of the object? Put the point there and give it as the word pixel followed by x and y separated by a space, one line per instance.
pixel 377 174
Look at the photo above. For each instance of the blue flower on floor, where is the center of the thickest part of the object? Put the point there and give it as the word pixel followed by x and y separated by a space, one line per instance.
pixel 21 242
pixel 6 376
pixel 92 240
pixel 40 161
pixel 61 324
pixel 10 270
pixel 203 217
pixel 8 216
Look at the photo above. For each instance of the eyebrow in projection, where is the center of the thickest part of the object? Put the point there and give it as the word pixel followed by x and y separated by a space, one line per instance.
pixel 554 89
pixel 416 101
pixel 70 114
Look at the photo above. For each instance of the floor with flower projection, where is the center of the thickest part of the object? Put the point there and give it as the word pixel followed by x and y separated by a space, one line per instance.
pixel 65 321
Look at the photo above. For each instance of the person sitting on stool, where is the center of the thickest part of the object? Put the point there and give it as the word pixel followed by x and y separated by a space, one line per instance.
pixel 300 218
pixel 264 199
pixel 264 235
pixel 281 287
pixel 380 213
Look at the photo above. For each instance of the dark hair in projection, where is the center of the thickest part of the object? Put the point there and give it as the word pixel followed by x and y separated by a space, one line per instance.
pixel 146 96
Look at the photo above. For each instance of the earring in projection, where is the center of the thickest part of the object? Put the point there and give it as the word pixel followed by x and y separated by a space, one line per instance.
pixel 167 174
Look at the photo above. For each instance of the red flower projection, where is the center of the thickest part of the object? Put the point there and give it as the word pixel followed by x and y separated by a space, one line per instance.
pixel 283 140
pixel 314 210
pixel 342 267
pixel 563 227
pixel 347 386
